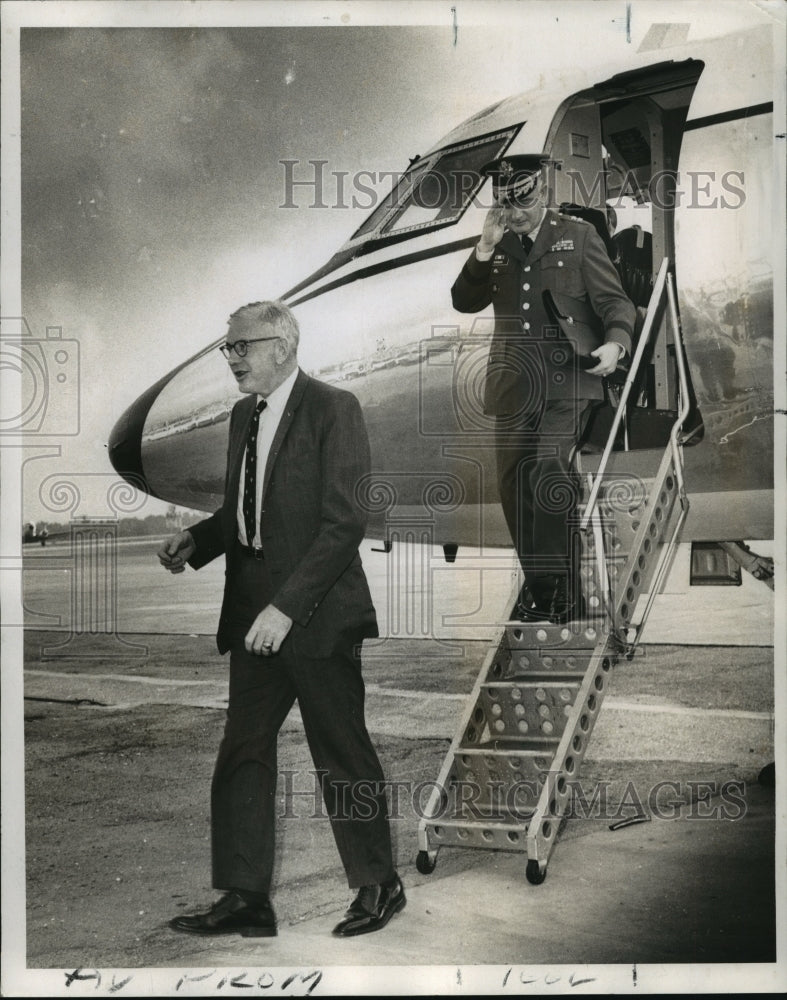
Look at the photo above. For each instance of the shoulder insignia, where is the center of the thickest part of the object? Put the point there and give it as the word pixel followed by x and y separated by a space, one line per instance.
pixel 565 217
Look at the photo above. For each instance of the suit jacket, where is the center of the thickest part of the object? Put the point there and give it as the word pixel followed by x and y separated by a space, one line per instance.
pixel 311 522
pixel 530 358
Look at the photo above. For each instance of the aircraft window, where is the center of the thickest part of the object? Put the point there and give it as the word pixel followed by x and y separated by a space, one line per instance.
pixel 437 190
pixel 444 191
pixel 399 192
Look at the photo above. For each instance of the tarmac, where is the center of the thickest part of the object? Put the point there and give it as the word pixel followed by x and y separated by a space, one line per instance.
pixel 118 753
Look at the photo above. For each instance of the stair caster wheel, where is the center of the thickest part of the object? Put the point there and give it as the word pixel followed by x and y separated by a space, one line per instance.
pixel 424 863
pixel 535 873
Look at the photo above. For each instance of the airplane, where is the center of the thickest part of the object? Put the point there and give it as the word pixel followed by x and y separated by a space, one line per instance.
pixel 32 534
pixel 674 153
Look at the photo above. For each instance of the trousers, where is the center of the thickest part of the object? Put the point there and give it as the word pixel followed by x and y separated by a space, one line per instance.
pixel 330 694
pixel 539 488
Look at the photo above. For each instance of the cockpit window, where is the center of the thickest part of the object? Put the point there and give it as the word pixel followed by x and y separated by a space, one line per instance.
pixel 436 190
pixel 399 193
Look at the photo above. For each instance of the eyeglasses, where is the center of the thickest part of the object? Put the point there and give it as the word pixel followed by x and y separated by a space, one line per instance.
pixel 241 347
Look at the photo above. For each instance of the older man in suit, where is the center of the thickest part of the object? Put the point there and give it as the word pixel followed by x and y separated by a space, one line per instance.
pixel 562 322
pixel 296 609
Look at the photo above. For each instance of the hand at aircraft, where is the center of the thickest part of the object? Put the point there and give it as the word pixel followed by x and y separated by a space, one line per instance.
pixel 268 631
pixel 492 232
pixel 608 356
pixel 176 551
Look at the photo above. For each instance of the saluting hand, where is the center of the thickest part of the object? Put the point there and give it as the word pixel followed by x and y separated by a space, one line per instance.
pixel 493 230
pixel 176 551
pixel 268 631
pixel 608 356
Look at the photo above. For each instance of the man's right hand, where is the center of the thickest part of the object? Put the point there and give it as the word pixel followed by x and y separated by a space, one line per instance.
pixel 176 551
pixel 494 227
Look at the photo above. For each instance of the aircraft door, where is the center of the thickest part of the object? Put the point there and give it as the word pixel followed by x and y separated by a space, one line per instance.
pixel 576 148
pixel 617 149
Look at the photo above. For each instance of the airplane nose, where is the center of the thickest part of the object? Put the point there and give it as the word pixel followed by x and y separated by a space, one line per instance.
pixel 125 439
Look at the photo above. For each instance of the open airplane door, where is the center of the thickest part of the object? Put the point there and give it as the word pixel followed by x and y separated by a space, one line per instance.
pixel 637 156
pixel 617 148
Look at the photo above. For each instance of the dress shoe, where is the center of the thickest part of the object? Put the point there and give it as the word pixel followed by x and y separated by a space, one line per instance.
pixel 550 601
pixel 372 908
pixel 534 602
pixel 230 915
pixel 566 605
pixel 529 611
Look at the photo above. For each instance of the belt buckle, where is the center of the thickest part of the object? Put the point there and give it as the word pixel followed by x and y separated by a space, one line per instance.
pixel 256 551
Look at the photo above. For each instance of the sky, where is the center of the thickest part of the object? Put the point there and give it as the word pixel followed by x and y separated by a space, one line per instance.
pixel 151 181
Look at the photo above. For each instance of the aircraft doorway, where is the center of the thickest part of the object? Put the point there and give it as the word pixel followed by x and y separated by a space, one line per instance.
pixel 615 151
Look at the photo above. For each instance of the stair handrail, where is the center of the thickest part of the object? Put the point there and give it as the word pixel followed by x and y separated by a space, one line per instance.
pixel 684 402
pixel 675 444
pixel 647 328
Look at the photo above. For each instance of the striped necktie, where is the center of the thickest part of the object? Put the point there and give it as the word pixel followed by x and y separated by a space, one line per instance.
pixel 250 480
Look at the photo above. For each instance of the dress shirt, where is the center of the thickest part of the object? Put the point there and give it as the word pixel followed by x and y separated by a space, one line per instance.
pixel 269 424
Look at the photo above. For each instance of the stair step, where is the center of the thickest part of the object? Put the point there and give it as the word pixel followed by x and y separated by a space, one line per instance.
pixel 512 777
pixel 521 708
pixel 510 773
pixel 574 635
pixel 493 832
pixel 482 738
pixel 541 663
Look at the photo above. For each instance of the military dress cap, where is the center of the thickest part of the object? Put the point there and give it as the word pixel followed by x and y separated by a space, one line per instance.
pixel 514 176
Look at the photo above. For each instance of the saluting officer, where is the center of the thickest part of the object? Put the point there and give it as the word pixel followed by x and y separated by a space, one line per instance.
pixel 562 322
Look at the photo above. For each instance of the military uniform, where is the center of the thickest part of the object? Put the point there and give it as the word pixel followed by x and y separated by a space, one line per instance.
pixel 530 358
pixel 536 384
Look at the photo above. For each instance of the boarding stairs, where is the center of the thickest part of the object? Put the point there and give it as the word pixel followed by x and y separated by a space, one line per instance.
pixel 506 781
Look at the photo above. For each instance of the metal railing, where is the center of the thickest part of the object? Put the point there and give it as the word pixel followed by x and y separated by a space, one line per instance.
pixel 673 457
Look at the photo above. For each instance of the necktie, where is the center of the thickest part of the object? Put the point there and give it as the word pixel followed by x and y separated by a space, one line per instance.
pixel 527 243
pixel 250 480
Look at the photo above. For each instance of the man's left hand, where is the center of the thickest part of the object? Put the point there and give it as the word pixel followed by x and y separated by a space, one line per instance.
pixel 268 632
pixel 608 356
